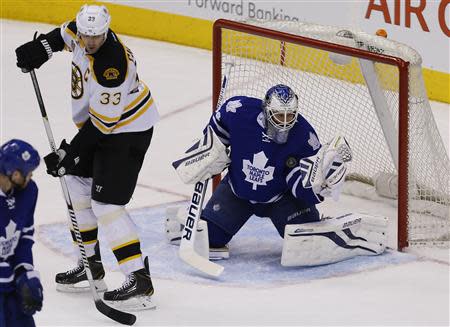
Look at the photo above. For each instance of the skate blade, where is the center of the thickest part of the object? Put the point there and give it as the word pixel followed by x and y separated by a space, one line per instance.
pixel 81 287
pixel 137 303
pixel 219 254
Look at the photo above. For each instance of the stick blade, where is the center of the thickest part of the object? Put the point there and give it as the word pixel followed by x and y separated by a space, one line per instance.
pixel 198 262
pixel 124 318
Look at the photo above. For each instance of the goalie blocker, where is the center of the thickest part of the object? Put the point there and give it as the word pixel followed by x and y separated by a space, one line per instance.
pixel 334 239
pixel 205 158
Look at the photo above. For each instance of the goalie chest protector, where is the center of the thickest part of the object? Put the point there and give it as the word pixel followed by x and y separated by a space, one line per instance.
pixel 259 166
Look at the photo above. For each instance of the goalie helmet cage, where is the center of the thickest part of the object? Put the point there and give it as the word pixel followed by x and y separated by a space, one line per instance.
pixel 369 89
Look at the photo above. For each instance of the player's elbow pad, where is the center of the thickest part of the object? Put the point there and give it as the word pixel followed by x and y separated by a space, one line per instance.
pixel 301 187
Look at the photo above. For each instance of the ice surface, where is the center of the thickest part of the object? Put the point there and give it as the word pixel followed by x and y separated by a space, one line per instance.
pixel 393 289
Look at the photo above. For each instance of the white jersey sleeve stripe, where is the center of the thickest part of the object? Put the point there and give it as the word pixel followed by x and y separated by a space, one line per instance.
pixel 220 128
pixel 28 237
pixel 28 229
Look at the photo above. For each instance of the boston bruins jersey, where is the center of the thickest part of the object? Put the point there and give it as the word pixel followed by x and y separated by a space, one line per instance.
pixel 106 87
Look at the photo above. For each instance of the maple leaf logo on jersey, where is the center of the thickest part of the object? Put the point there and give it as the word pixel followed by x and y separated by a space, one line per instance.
pixel 8 244
pixel 233 105
pixel 11 203
pixel 256 172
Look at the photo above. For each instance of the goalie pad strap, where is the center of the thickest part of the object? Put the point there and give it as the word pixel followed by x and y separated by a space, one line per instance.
pixel 334 240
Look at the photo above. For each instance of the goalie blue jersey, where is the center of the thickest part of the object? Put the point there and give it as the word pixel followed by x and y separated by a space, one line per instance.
pixel 260 167
pixel 16 232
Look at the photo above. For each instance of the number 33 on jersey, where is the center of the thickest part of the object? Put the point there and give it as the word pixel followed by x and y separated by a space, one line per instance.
pixel 106 87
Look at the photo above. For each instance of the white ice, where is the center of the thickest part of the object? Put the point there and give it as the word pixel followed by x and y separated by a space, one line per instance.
pixel 414 292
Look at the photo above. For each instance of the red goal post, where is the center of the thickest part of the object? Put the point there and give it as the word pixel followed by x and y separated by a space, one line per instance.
pixel 360 75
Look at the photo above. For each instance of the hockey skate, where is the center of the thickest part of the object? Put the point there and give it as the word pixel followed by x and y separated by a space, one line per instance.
pixel 221 253
pixel 75 280
pixel 135 293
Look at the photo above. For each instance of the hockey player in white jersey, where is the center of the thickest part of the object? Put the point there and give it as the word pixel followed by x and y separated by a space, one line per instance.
pixel 277 168
pixel 115 113
pixel 21 292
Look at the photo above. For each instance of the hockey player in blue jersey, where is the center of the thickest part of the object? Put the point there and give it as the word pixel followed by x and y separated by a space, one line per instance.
pixel 277 168
pixel 20 286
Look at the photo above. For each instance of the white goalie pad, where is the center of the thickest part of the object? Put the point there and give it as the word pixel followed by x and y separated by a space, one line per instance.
pixel 205 158
pixel 174 224
pixel 334 239
pixel 175 218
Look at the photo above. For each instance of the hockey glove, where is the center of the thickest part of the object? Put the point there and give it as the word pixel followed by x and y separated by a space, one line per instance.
pixel 33 54
pixel 29 292
pixel 62 161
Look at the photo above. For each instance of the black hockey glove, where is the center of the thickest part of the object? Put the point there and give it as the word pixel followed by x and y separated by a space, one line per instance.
pixel 62 161
pixel 33 54
pixel 29 291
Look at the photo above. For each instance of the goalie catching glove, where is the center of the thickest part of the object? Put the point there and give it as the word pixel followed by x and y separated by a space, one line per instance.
pixel 207 157
pixel 323 174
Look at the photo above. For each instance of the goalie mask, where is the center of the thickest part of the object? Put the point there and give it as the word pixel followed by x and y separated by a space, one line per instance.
pixel 93 20
pixel 280 108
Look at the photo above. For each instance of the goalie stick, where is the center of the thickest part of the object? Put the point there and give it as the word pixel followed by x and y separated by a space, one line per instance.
pixel 116 315
pixel 187 252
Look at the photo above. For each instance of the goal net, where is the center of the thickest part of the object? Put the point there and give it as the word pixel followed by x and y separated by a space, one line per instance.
pixel 365 87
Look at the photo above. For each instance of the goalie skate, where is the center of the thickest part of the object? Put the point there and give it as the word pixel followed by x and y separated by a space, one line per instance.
pixel 135 293
pixel 222 253
pixel 75 280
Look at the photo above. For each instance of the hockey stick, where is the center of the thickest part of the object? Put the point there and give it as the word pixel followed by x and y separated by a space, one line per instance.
pixel 116 315
pixel 186 251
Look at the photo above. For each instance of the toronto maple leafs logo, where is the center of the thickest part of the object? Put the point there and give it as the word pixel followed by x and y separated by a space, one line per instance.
pixel 26 155
pixel 256 172
pixel 11 203
pixel 8 244
pixel 283 93
pixel 233 105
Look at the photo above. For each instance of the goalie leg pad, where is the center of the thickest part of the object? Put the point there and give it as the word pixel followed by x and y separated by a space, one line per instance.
pixel 174 228
pixel 174 224
pixel 333 240
pixel 201 244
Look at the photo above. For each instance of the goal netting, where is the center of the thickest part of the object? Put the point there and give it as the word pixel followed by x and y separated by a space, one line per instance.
pixel 366 87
